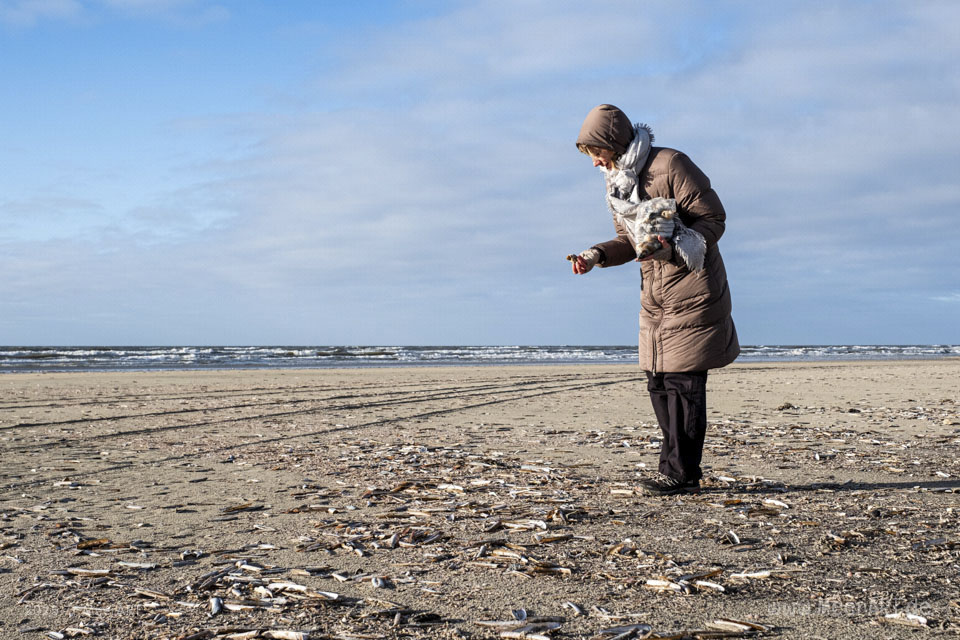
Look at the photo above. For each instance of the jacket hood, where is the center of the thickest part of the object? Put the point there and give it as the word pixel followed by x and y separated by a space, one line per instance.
pixel 606 127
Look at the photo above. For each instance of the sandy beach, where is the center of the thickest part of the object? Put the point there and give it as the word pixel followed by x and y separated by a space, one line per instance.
pixel 471 502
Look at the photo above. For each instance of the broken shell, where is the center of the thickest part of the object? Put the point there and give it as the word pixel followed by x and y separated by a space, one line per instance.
pixel 286 586
pixel 138 565
pixel 730 537
pixel 752 574
pixel 279 634
pixel 706 584
pixel 908 619
pixel 629 628
pixel 742 626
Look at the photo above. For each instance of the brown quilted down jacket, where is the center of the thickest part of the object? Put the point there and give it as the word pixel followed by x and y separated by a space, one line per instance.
pixel 685 321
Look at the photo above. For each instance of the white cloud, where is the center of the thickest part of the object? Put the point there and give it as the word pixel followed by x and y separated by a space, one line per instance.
pixel 147 5
pixel 26 13
pixel 432 188
pixel 185 12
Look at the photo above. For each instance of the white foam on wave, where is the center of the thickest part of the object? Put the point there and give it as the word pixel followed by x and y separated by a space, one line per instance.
pixel 13 359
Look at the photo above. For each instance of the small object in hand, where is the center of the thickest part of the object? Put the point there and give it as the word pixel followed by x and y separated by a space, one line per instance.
pixel 584 261
pixel 649 246
pixel 648 220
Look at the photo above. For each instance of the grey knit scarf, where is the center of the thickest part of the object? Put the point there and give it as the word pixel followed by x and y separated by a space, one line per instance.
pixel 644 220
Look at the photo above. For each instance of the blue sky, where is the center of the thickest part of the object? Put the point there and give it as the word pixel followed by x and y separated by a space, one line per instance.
pixel 314 172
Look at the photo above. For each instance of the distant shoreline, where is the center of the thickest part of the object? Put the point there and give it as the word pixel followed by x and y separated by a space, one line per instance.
pixel 206 358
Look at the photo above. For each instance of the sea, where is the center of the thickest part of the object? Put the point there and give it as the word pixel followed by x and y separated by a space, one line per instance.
pixel 140 358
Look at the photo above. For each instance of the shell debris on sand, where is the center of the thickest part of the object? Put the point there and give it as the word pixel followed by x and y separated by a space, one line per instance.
pixel 466 498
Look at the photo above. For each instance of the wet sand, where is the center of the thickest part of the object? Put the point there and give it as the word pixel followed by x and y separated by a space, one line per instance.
pixel 419 502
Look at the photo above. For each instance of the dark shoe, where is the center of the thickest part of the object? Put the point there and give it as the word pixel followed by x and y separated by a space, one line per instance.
pixel 662 485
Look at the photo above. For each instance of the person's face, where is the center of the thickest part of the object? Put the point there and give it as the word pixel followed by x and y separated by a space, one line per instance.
pixel 601 157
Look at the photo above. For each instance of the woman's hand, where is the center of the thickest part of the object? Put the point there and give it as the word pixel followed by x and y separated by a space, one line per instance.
pixel 585 261
pixel 665 253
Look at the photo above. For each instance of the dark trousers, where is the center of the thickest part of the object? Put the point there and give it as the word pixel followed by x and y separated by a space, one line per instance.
pixel 680 402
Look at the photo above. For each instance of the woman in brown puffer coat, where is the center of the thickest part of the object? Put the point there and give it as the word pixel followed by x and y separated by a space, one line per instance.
pixel 686 325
